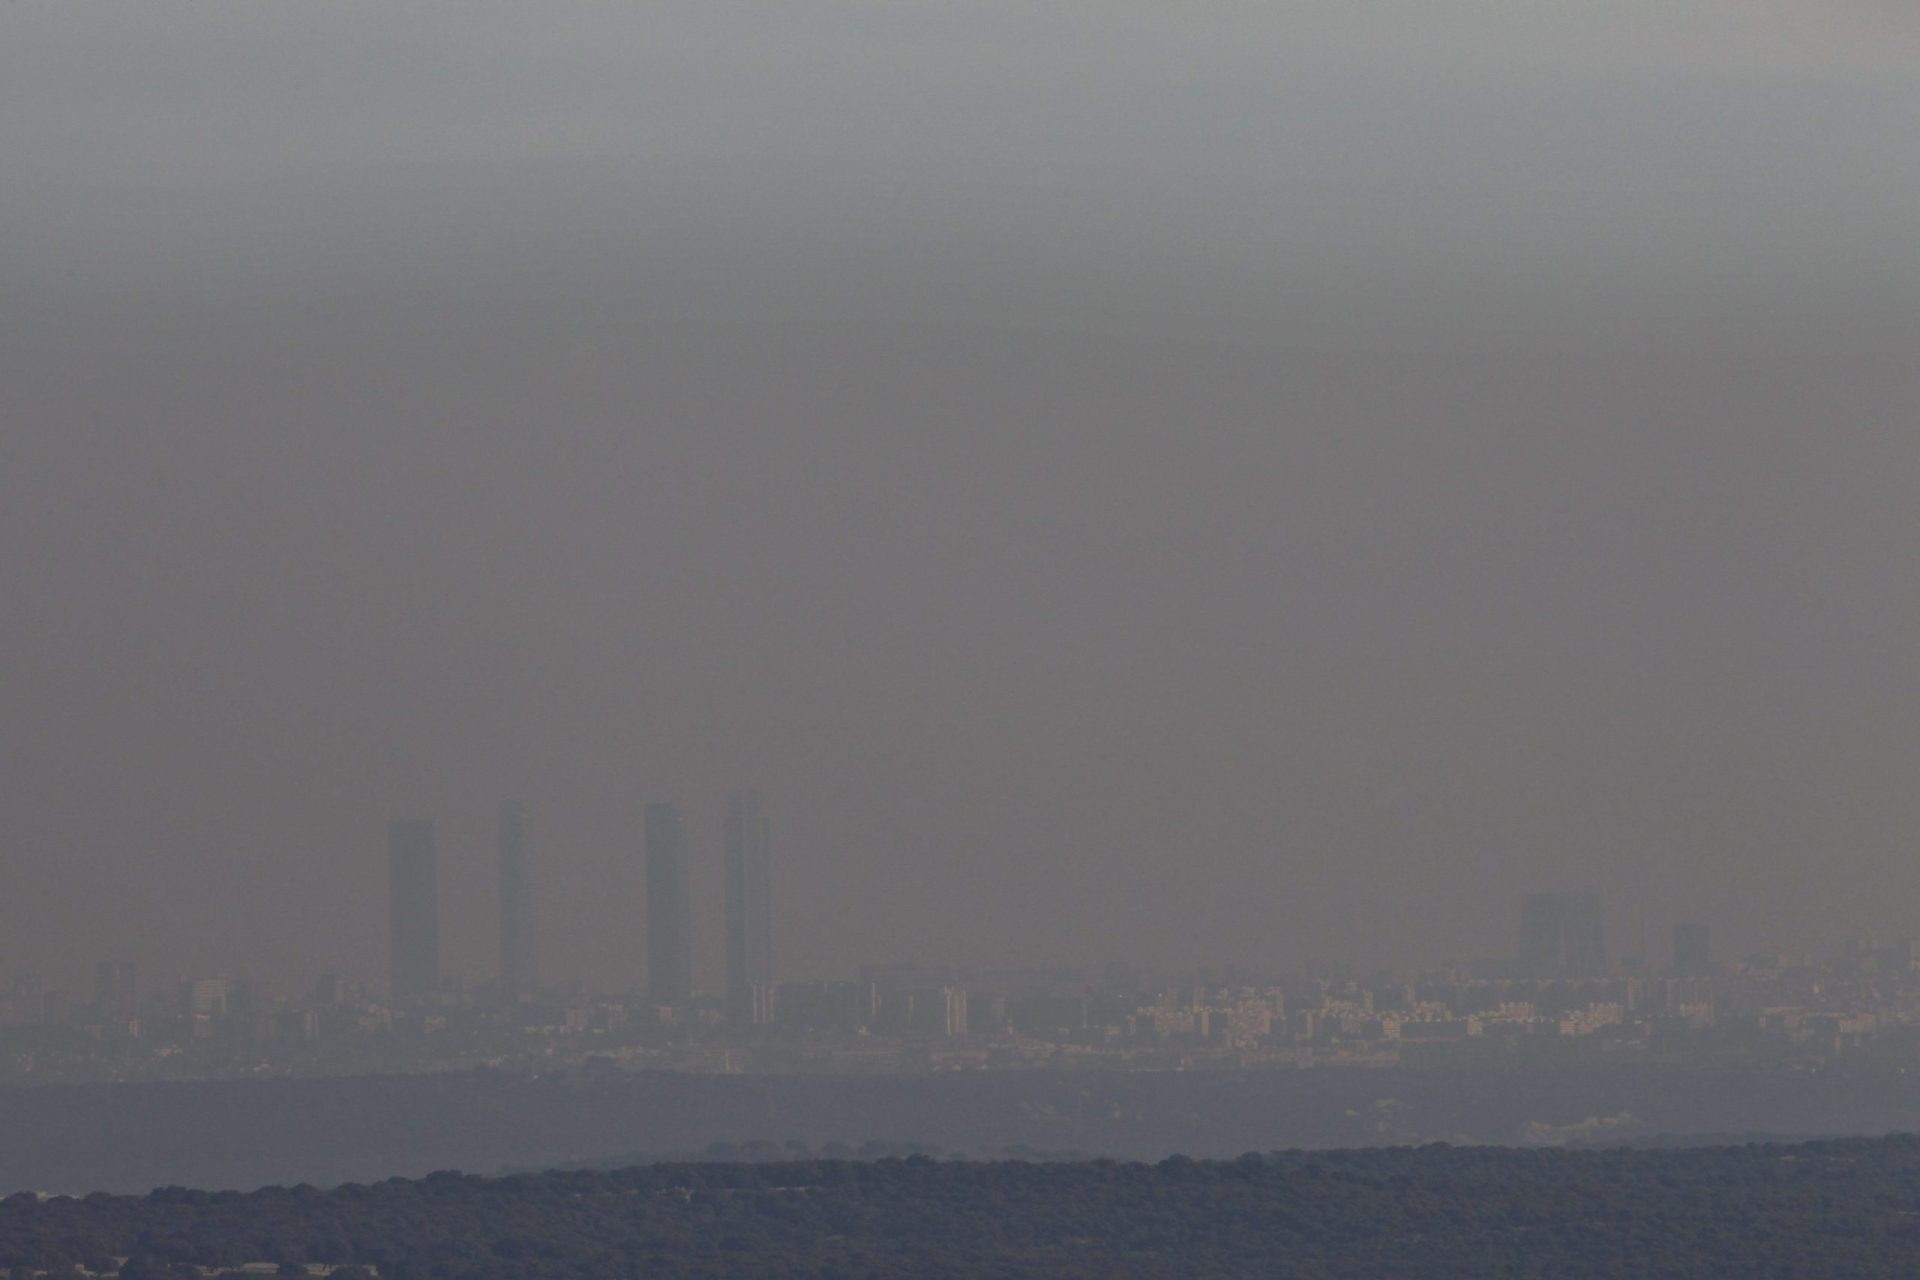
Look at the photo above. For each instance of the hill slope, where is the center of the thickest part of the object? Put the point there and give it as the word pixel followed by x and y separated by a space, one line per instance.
pixel 1843 1208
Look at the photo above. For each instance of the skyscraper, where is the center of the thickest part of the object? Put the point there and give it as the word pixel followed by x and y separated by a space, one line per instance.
pixel 115 986
pixel 1561 936
pixel 749 904
pixel 669 908
pixel 519 912
pixel 413 908
pixel 1692 949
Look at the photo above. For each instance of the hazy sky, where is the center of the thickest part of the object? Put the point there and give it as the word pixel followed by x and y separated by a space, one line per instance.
pixel 1192 483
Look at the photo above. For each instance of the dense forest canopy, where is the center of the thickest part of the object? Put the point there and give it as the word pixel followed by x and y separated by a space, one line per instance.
pixel 1848 1207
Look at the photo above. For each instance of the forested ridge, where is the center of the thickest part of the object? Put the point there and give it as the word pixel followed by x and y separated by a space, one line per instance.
pixel 1840 1208
pixel 255 1133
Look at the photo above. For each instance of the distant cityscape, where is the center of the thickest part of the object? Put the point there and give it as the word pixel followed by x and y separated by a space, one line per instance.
pixel 1559 997
pixel 413 902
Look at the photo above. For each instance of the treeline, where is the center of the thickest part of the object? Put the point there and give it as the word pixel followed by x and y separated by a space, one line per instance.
pixel 1843 1208
pixel 766 1151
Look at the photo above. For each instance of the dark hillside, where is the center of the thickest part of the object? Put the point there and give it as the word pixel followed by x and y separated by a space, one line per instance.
pixel 1846 1208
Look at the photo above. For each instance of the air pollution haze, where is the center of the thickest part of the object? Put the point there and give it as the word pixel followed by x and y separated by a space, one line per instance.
pixel 1203 484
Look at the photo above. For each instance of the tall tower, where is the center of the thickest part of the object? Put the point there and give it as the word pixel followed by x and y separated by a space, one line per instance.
pixel 519 912
pixel 749 903
pixel 115 987
pixel 1692 949
pixel 1562 936
pixel 669 908
pixel 413 908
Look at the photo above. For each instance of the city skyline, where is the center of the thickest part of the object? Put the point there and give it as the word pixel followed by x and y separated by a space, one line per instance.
pixel 1554 933
pixel 414 968
pixel 1560 935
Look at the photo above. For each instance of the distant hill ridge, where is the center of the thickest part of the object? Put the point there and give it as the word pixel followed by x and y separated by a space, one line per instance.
pixel 243 1134
pixel 1838 1208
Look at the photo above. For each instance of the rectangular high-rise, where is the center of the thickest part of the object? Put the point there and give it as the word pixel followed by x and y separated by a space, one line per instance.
pixel 1562 936
pixel 413 909
pixel 115 987
pixel 1692 949
pixel 519 915
pixel 749 903
pixel 669 908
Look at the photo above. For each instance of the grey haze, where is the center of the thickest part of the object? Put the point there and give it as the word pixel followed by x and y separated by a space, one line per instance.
pixel 1177 482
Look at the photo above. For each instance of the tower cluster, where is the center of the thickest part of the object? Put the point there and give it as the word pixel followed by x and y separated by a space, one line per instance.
pixel 413 898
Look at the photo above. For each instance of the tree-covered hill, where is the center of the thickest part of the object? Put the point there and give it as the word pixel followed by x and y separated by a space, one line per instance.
pixel 1844 1208
pixel 252 1133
